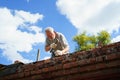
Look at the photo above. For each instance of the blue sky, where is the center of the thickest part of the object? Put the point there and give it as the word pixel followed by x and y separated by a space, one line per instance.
pixel 22 24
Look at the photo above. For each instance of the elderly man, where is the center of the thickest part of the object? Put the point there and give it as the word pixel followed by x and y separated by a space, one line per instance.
pixel 55 42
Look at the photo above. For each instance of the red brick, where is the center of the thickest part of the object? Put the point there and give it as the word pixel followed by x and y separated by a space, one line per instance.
pixel 27 73
pixel 73 59
pixel 58 67
pixel 92 67
pixel 67 72
pixel 45 70
pixel 99 59
pixel 111 56
pixel 58 73
pixel 92 60
pixel 82 62
pixel 25 66
pixel 47 61
pixel 25 78
pixel 60 58
pixel 52 68
pixel 118 55
pixel 115 63
pixel 47 75
pixel 20 75
pixel 74 70
pixel 5 78
pixel 101 66
pixel 61 78
pixel 13 76
pixel 69 59
pixel 37 77
pixel 53 74
pixel 74 77
pixel 70 65
pixel 78 53
pixel 35 72
pixel 29 67
pixel 65 61
pixel 39 63
pixel 83 69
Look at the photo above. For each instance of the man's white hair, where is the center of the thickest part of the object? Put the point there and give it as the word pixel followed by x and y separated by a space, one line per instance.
pixel 49 29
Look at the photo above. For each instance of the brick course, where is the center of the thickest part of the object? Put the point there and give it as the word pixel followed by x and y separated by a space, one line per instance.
pixel 96 64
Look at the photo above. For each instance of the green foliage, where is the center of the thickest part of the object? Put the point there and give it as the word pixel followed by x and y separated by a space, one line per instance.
pixel 86 42
pixel 104 37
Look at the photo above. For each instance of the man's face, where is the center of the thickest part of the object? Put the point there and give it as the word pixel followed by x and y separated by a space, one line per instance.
pixel 50 34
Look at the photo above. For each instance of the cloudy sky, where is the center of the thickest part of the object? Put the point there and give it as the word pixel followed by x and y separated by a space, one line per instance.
pixel 22 24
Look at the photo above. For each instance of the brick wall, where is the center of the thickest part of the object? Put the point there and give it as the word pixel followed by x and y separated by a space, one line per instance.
pixel 97 64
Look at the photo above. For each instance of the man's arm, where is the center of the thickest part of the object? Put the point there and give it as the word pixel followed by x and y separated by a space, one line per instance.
pixel 65 43
pixel 47 48
pixel 47 45
pixel 52 46
pixel 65 50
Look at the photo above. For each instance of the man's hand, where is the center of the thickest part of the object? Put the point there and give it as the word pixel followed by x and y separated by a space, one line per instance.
pixel 58 53
pixel 53 45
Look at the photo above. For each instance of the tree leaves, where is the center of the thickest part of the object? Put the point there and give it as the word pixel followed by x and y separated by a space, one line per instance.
pixel 86 42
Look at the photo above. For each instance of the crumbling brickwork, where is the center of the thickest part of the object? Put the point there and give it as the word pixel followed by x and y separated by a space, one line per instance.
pixel 97 64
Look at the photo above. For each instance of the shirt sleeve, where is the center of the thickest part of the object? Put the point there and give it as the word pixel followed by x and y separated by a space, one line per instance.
pixel 47 43
pixel 64 41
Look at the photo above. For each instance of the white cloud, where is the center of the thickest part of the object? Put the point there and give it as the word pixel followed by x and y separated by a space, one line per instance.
pixel 13 39
pixel 116 39
pixel 27 17
pixel 91 15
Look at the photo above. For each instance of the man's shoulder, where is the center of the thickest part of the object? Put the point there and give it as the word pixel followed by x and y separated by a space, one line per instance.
pixel 59 34
pixel 47 40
